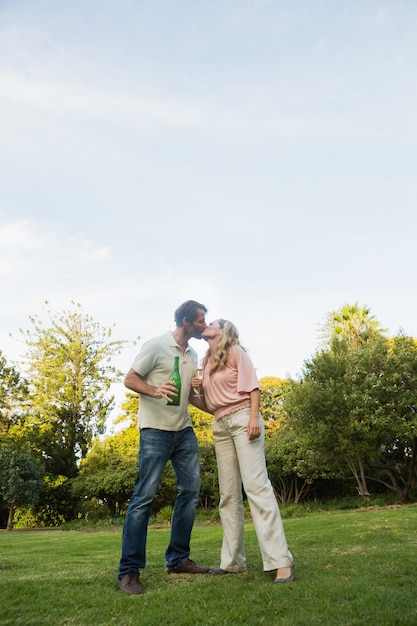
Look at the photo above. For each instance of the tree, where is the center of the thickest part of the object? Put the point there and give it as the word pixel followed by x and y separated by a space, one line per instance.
pixel 397 462
pixel 272 397
pixel 281 447
pixel 13 392
pixel 202 423
pixel 209 488
pixel 351 323
pixel 129 414
pixel 291 468
pixel 20 479
pixel 336 409
pixel 109 470
pixel 356 406
pixel 70 373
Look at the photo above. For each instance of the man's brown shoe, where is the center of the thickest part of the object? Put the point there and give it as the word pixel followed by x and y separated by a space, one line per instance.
pixel 188 567
pixel 130 584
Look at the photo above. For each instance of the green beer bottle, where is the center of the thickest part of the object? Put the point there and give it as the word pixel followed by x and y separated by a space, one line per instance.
pixel 175 378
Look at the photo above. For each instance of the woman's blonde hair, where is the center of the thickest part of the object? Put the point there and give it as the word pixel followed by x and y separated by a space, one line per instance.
pixel 229 337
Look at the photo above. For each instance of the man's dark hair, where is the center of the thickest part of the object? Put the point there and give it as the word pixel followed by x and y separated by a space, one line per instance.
pixel 189 311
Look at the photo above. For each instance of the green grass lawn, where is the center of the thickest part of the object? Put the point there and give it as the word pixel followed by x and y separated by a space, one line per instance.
pixel 356 567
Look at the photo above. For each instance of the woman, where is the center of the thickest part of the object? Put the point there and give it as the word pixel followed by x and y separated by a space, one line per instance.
pixel 232 394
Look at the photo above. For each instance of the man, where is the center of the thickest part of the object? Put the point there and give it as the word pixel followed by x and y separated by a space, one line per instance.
pixel 166 433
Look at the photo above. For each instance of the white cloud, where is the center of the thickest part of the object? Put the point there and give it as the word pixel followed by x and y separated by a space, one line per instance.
pixel 79 102
pixel 18 242
pixel 27 252
pixel 20 235
pixel 84 249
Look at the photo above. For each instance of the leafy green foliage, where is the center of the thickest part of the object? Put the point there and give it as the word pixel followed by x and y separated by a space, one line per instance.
pixel 272 399
pixel 209 488
pixel 108 471
pixel 202 423
pixel 351 323
pixel 290 467
pixel 20 479
pixel 397 461
pixel 56 505
pixel 70 373
pixel 355 406
pixel 129 414
pixel 349 419
pixel 13 392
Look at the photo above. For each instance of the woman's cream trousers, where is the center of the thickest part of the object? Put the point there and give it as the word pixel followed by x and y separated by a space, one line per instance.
pixel 242 461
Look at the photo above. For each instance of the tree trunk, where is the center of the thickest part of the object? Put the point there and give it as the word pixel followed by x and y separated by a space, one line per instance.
pixel 359 477
pixel 301 490
pixel 10 518
pixel 364 487
pixel 401 487
pixel 411 472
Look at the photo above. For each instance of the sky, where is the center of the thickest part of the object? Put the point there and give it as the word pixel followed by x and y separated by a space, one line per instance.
pixel 258 156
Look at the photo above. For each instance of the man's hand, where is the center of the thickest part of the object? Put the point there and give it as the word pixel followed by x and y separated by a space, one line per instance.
pixel 167 390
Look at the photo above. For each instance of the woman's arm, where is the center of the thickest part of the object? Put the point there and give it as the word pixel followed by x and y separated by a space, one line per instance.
pixel 254 427
pixel 198 401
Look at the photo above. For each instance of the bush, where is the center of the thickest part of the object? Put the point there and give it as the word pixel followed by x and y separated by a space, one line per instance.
pixel 164 515
pixel 56 505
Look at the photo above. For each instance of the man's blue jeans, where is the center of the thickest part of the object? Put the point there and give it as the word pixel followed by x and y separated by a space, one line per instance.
pixel 156 448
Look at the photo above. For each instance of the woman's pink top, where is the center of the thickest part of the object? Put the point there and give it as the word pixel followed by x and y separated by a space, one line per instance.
pixel 228 390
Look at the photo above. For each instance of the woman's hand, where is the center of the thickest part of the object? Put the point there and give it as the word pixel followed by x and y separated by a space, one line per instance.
pixel 253 428
pixel 197 383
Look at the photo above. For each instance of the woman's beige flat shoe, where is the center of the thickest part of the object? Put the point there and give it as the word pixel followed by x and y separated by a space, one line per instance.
pixel 289 578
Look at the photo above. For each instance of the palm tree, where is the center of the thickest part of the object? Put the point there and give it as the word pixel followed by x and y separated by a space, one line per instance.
pixel 351 323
